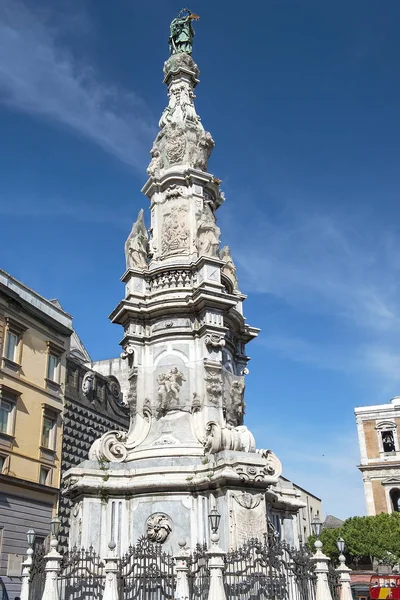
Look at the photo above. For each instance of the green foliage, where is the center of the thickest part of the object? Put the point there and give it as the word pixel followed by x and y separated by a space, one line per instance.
pixel 366 538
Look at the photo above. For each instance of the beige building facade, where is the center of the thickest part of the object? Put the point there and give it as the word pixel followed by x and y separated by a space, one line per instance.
pixel 34 342
pixel 378 436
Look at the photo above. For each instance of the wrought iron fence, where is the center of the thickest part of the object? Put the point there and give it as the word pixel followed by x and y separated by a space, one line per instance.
pixel 269 570
pixel 82 575
pixel 198 574
pixel 146 572
pixel 334 582
pixel 37 575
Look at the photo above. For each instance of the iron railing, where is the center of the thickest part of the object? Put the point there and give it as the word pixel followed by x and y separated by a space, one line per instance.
pixel 198 573
pixel 269 570
pixel 82 575
pixel 146 572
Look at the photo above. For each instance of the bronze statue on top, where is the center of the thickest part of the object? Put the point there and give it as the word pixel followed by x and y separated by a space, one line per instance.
pixel 182 32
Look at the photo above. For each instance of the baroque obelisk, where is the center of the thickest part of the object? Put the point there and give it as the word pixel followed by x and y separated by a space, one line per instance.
pixel 187 450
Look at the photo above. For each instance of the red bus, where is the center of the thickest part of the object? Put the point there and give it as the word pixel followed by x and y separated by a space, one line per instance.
pixel 384 586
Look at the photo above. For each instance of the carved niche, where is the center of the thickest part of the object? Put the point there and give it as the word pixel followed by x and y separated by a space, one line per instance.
pixel 175 232
pixel 168 392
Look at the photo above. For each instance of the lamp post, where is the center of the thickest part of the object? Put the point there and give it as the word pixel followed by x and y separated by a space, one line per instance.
pixel 27 566
pixel 215 560
pixel 316 526
pixel 55 525
pixel 322 589
pixel 344 572
pixel 53 563
pixel 214 519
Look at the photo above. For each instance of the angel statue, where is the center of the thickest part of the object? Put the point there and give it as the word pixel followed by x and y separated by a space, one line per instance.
pixel 137 244
pixel 182 32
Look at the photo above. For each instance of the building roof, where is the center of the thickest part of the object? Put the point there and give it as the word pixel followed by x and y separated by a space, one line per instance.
pixel 300 488
pixel 332 522
pixel 32 300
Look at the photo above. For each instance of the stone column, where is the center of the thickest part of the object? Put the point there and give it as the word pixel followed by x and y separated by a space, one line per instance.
pixel 345 579
pixel 216 568
pixel 53 566
pixel 321 570
pixel 182 573
pixel 111 570
pixel 26 573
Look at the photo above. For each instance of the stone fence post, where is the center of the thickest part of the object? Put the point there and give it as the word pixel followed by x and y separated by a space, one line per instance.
pixel 323 591
pixel 26 573
pixel 345 579
pixel 111 571
pixel 53 567
pixel 216 568
pixel 182 573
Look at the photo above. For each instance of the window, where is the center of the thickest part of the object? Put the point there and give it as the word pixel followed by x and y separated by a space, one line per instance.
pixel 388 441
pixel 395 498
pixel 4 463
pixel 7 414
pixel 11 346
pixel 45 476
pixel 49 432
pixel 52 367
pixel 6 409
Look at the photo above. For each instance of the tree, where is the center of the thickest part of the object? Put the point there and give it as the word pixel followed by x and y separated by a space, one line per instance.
pixel 367 539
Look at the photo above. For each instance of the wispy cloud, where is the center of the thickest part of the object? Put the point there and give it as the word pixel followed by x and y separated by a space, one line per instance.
pixel 317 462
pixel 40 76
pixel 332 267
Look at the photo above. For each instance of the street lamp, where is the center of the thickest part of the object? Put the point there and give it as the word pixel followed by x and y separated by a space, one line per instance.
pixel 215 518
pixel 340 545
pixel 316 526
pixel 31 537
pixel 55 525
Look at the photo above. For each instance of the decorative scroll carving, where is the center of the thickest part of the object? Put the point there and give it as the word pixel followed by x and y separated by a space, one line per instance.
pixel 128 353
pixel 117 446
pixel 214 340
pixel 228 267
pixel 89 384
pixel 136 245
pixel 158 527
pixel 214 385
pixel 207 233
pixel 247 500
pixel 273 464
pixel 175 233
pixel 219 438
pixel 169 385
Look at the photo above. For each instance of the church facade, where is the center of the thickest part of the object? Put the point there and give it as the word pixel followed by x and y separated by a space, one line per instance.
pixel 378 437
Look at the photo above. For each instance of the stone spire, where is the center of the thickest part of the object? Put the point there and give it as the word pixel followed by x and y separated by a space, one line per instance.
pixel 184 343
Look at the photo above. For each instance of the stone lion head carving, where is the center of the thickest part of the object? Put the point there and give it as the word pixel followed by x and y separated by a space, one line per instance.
pixel 158 527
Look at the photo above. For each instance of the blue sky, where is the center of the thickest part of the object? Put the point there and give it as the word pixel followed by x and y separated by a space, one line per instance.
pixel 302 100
